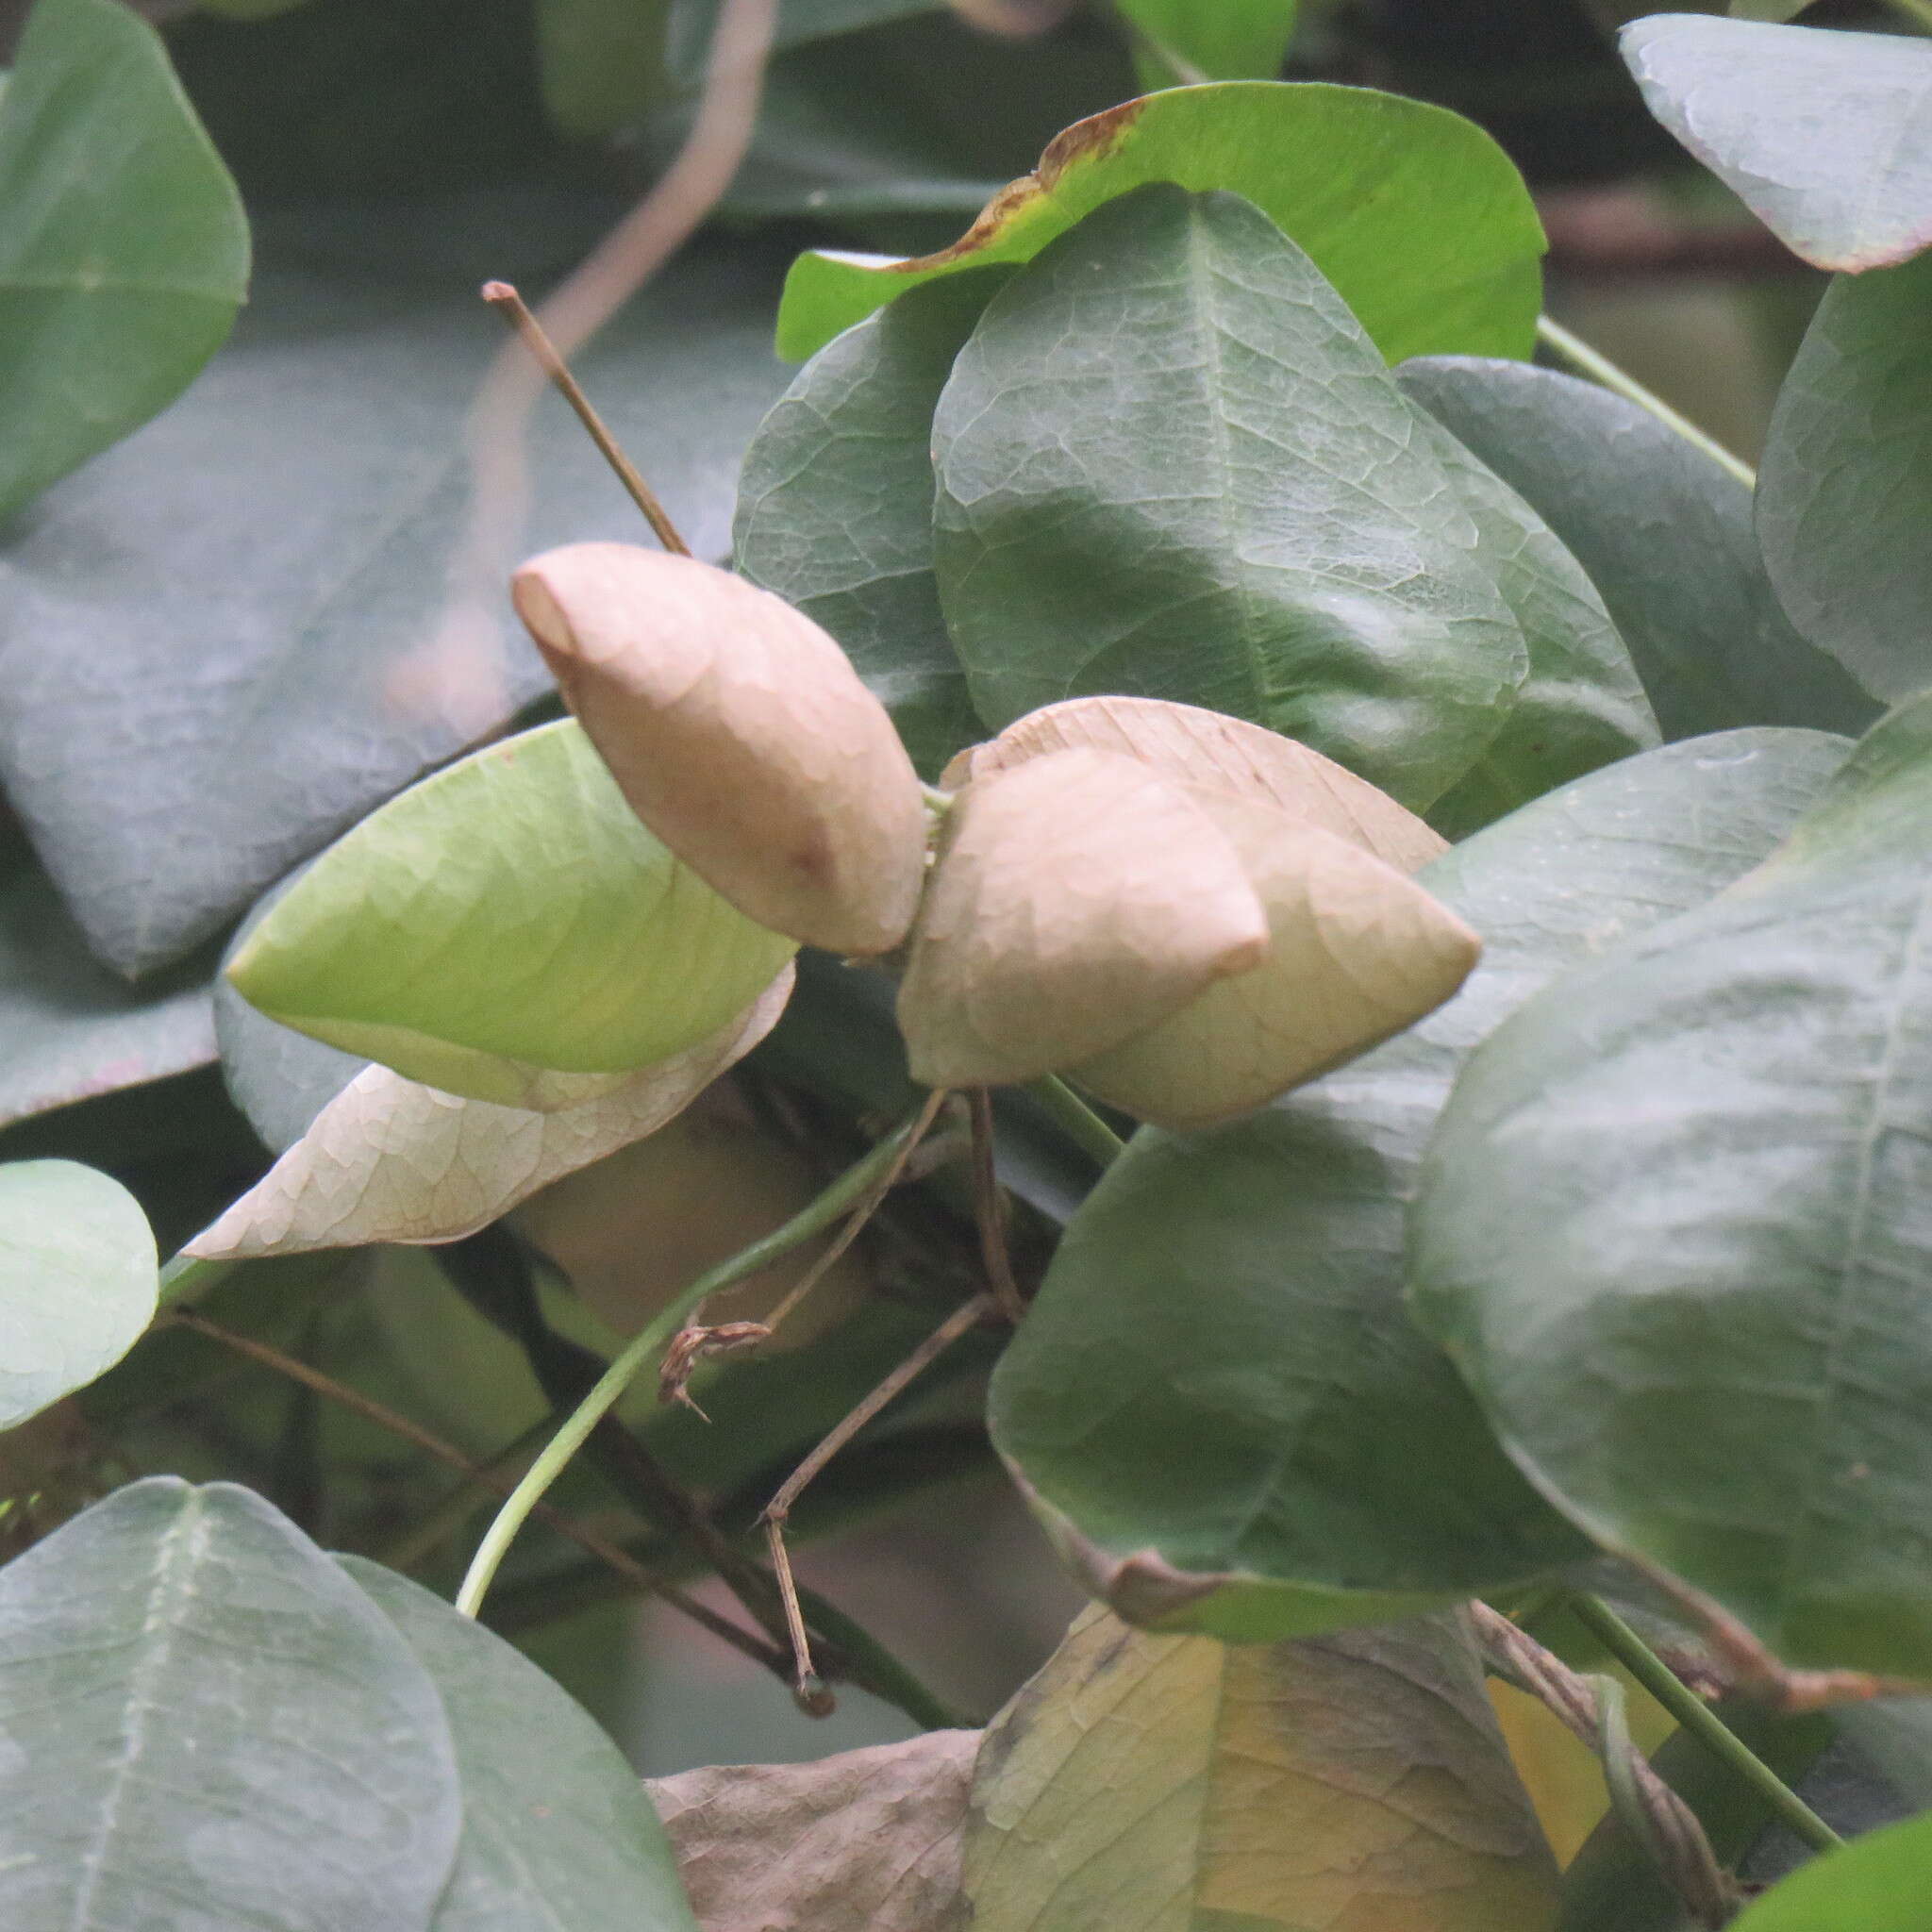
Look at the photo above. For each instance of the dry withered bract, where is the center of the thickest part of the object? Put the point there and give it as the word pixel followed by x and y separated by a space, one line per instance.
pixel 1077 901
pixel 740 735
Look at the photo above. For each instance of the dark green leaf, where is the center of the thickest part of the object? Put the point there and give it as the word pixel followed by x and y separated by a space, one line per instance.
pixel 1232 40
pixel 1824 135
pixel 212 1727
pixel 835 506
pixel 1582 703
pixel 1417 217
pixel 1844 500
pixel 124 250
pixel 1155 454
pixel 558 1834
pixel 79 1276
pixel 205 686
pixel 1664 534
pixel 1220 1373
pixel 69 1028
pixel 602 62
pixel 1875 1885
pixel 1674 1229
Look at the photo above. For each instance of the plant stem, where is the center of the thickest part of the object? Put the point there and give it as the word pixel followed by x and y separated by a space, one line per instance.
pixel 1081 1124
pixel 1599 368
pixel 188 1278
pixel 645 1348
pixel 1697 1717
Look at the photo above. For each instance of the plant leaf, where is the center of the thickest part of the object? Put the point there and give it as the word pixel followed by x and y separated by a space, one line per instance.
pixel 1239 1291
pixel 1845 494
pixel 389 1160
pixel 124 250
pixel 205 686
pixel 69 1028
pixel 558 1833
pixel 602 63
pixel 507 914
pixel 1672 1228
pixel 1236 40
pixel 1665 534
pixel 867 1838
pixel 835 505
pixel 212 1726
pixel 1142 1783
pixel 1823 135
pixel 1582 703
pixel 1876 1884
pixel 79 1276
pixel 1414 214
pixel 1166 524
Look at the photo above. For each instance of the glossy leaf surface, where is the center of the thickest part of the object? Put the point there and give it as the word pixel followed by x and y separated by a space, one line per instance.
pixel 205 686
pixel 1672 1229
pixel 1161 442
pixel 212 1728
pixel 1147 1783
pixel 508 909
pixel 1824 135
pixel 1845 498
pixel 1241 1290
pixel 556 1831
pixel 124 250
pixel 77 1280
pixel 1416 216
pixel 835 505
pixel 1665 534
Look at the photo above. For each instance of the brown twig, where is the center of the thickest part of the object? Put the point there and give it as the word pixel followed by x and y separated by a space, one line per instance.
pixel 618 1560
pixel 1668 1828
pixel 807 1685
pixel 988 1211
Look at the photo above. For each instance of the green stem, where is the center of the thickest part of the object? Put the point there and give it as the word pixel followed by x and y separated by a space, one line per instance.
pixel 644 1349
pixel 188 1278
pixel 1697 1717
pixel 1082 1124
pixel 1599 368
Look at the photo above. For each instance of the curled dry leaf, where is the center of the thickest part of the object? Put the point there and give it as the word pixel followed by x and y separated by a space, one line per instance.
pixel 390 1160
pixel 1078 899
pixel 740 735
pixel 1223 754
pixel 1356 953
pixel 868 1838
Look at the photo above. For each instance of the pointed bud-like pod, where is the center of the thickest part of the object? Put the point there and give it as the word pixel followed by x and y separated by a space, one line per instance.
pixel 1221 754
pixel 740 735
pixel 1356 952
pixel 1078 900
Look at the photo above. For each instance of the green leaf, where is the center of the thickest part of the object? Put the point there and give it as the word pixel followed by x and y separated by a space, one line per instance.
pixel 1232 40
pixel 558 1832
pixel 1239 1292
pixel 1160 435
pixel 835 506
pixel 602 62
pixel 1142 1783
pixel 69 1028
pixel 510 908
pixel 1767 10
pixel 1673 1229
pixel 1582 703
pixel 79 1276
pixel 1823 135
pixel 1876 1884
pixel 213 1727
pixel 694 22
pixel 1421 222
pixel 1845 496
pixel 124 250
pixel 1665 534
pixel 204 687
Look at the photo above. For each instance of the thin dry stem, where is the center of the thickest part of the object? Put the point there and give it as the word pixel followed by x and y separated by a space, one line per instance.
pixel 988 1211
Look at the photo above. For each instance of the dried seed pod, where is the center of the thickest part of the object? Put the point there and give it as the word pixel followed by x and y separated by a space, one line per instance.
pixel 1356 952
pixel 740 735
pixel 1078 899
pixel 1223 754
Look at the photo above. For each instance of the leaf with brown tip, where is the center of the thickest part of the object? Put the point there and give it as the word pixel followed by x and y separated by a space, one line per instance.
pixel 740 735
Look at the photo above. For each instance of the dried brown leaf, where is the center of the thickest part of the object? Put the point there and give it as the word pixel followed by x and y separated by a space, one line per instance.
pixel 740 735
pixel 1078 899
